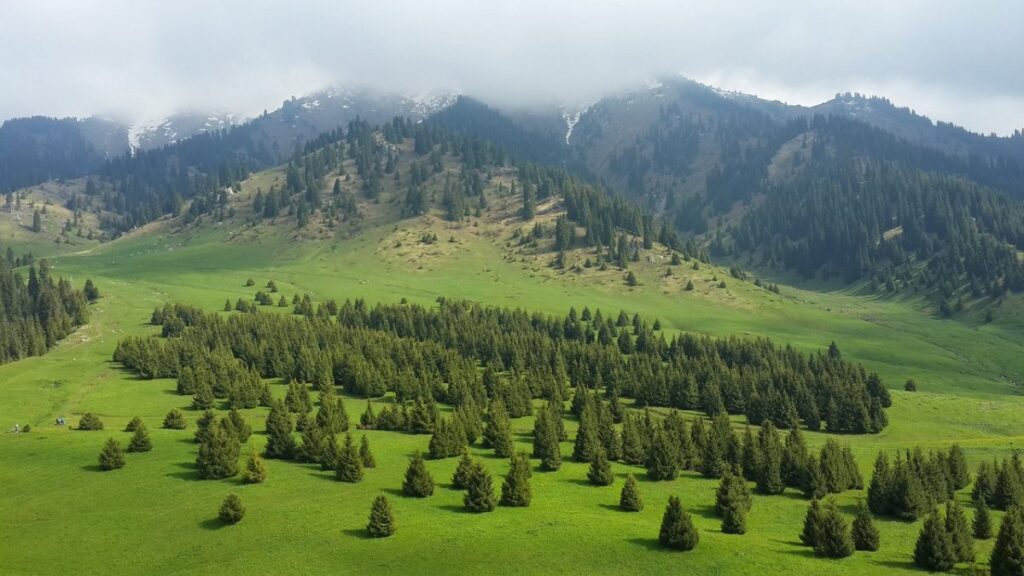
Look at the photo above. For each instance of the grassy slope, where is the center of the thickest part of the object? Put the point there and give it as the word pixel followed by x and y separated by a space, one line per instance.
pixel 152 517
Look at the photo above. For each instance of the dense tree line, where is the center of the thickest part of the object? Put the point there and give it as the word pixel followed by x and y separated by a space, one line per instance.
pixel 434 354
pixel 37 314
pixel 37 149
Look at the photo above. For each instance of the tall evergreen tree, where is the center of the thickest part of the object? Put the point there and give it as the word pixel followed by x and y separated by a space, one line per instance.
pixel 661 458
pixel 587 436
pixel 934 550
pixel 813 521
pixel 1008 553
pixel 112 455
pixel 630 499
pixel 600 473
pixel 365 455
pixel 348 466
pixel 479 490
pixel 218 454
pixel 460 479
pixel 834 539
pixel 498 430
pixel 864 532
pixel 732 502
pixel 677 529
pixel 280 443
pixel 418 481
pixel 982 524
pixel 515 490
pixel 959 532
pixel 382 520
pixel 140 440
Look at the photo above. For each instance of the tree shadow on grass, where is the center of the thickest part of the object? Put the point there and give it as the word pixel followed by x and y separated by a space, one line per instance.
pixel 360 533
pixel 706 511
pixel 651 544
pixel 93 468
pixel 394 492
pixel 581 482
pixel 613 507
pixel 796 542
pixel 909 565
pixel 212 524
pixel 803 551
pixel 188 471
pixel 456 508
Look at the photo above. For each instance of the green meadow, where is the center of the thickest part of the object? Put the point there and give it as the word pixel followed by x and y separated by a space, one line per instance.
pixel 62 515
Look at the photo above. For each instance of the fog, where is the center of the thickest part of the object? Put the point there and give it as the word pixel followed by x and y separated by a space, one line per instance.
pixel 954 61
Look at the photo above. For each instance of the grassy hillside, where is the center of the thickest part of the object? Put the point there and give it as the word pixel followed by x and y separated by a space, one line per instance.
pixel 154 516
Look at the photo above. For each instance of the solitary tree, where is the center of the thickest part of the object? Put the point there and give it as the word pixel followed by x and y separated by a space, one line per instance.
pixel 140 440
pixel 418 481
pixel 630 499
pixel 479 490
pixel 112 456
pixel 90 421
pixel 515 490
pixel 255 469
pixel 865 534
pixel 365 455
pixel 134 424
pixel 175 420
pixel 231 510
pixel 677 529
pixel 382 521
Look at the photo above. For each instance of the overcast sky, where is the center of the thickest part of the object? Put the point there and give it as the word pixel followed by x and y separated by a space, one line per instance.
pixel 961 61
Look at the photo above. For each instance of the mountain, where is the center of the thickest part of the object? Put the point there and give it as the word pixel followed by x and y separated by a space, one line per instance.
pixel 37 149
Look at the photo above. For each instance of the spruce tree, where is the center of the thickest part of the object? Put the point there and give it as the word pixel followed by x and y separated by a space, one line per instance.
pixel 348 466
pixel 732 502
pixel 587 439
pixel 934 550
pixel 864 532
pixel 112 455
pixel 241 428
pixel 203 399
pixel 203 426
pixel 833 539
pixel 498 430
pixel 365 455
pixel 311 448
pixel 662 458
pixel 382 521
pixel 175 420
pixel 134 424
pixel 515 490
pixel 677 529
pixel 218 454
pixel 140 440
pixel 90 421
pixel 630 499
pixel 418 481
pixel 280 443
pixel 982 524
pixel 880 489
pixel 460 479
pixel 479 490
pixel 959 532
pixel 329 457
pixel 812 524
pixel 231 510
pixel 769 476
pixel 600 473
pixel 1008 553
pixel 368 420
pixel 255 469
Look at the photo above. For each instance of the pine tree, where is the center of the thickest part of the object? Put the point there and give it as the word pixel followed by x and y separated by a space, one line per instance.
pixel 982 525
pixel 241 429
pixel 203 399
pixel 959 532
pixel 479 490
pixel 112 455
pixel 348 466
pixel 677 529
pixel 880 489
pixel 864 532
pixel 1008 553
pixel 311 448
pixel 134 424
pixel 460 479
pixel 231 510
pixel 418 481
pixel 255 469
pixel 630 499
pixel 204 424
pixel 175 420
pixel 498 430
pixel 515 490
pixel 812 524
pixel 732 502
pixel 587 439
pixel 140 440
pixel 365 455
pixel 833 539
pixel 329 457
pixel 600 472
pixel 368 420
pixel 662 458
pixel 218 454
pixel 280 443
pixel 382 521
pixel 769 476
pixel 934 550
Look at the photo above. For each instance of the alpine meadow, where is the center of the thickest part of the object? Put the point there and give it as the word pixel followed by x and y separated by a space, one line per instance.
pixel 652 326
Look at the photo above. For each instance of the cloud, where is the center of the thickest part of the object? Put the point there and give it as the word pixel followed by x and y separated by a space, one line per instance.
pixel 954 60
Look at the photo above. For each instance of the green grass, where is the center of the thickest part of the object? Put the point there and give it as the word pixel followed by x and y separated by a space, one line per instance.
pixel 64 516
